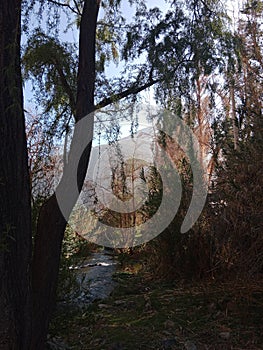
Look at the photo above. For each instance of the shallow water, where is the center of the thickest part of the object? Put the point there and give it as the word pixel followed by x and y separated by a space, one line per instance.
pixel 94 278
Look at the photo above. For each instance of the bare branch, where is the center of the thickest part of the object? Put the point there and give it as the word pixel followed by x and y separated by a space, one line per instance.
pixel 134 89
pixel 57 3
pixel 77 7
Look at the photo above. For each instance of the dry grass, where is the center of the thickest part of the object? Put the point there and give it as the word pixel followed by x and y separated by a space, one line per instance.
pixel 146 314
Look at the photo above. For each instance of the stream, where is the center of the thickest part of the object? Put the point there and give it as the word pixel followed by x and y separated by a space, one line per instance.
pixel 94 278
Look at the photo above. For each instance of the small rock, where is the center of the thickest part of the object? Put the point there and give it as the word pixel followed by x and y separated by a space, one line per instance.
pixel 225 335
pixel 169 343
pixel 189 345
pixel 166 333
pixel 169 324
pixel 56 343
pixel 117 346
pixel 119 302
pixel 148 306
pixel 103 306
pixel 212 307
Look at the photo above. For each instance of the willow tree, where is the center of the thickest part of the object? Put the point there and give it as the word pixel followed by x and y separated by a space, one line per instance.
pixel 46 56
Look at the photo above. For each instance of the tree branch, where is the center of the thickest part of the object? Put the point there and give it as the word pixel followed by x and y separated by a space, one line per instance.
pixel 134 89
pixel 66 86
pixel 65 5
pixel 77 7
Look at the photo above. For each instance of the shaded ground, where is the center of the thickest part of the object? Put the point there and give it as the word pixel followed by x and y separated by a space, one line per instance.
pixel 145 314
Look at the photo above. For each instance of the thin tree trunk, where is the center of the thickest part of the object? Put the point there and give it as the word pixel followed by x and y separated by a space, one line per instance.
pixel 233 115
pixel 51 222
pixel 15 211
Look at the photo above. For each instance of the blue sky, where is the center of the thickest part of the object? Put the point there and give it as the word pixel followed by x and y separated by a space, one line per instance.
pixel 71 35
pixel 112 70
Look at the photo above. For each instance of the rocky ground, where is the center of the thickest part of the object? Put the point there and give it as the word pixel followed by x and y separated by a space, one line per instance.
pixel 142 313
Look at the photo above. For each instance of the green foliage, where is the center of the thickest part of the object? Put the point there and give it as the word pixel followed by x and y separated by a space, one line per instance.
pixel 52 68
pixel 184 43
pixel 75 250
pixel 109 34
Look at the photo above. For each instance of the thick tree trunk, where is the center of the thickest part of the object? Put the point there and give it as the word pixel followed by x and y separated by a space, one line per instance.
pixel 15 212
pixel 51 222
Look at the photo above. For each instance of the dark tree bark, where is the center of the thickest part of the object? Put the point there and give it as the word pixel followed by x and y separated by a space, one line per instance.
pixel 51 221
pixel 15 211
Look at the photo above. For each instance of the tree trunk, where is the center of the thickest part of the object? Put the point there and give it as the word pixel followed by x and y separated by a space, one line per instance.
pixel 51 222
pixel 233 114
pixel 15 213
